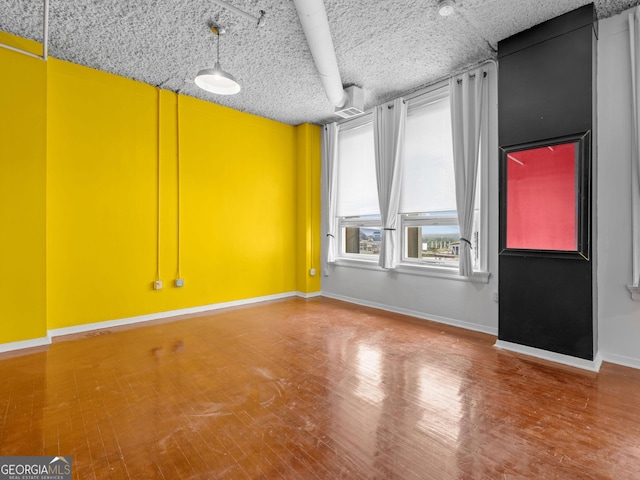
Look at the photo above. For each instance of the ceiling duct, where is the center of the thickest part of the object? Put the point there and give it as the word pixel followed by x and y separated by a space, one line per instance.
pixel 315 25
pixel 354 105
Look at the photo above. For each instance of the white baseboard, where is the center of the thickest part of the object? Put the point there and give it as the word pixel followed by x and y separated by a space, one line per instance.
pixel 591 365
pixel 308 295
pixel 555 357
pixel 621 360
pixel 34 342
pixel 58 332
pixel 413 313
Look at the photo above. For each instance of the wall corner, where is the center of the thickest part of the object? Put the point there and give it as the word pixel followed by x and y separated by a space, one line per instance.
pixel 308 157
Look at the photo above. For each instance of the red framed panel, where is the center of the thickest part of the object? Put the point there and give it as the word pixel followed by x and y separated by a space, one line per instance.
pixel 542 198
pixel 545 197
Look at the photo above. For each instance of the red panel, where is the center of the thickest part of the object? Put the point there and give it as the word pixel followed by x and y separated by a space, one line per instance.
pixel 541 198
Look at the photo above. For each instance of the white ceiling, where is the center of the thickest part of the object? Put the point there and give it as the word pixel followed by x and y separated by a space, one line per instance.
pixel 387 47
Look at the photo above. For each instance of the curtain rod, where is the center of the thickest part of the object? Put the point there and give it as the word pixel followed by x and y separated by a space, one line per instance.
pixel 422 90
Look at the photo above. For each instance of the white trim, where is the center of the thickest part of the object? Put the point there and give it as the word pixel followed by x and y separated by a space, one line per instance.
pixel 442 272
pixel 414 313
pixel 308 295
pixel 635 152
pixel 34 342
pixel 423 270
pixel 427 96
pixel 366 264
pixel 57 332
pixel 554 357
pixel 591 365
pixel 621 360
pixel 88 327
pixel 356 122
pixel 635 292
pixel 413 95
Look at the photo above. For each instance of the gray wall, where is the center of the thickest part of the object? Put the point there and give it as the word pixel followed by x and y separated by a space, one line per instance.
pixel 456 302
pixel 471 305
pixel 618 315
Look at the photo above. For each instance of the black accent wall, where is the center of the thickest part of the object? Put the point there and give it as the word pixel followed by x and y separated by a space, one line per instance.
pixel 545 91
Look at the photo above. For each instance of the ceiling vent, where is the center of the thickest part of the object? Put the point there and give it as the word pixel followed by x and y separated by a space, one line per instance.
pixel 354 105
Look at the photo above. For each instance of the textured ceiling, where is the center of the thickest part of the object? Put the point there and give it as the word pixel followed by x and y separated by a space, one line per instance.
pixel 388 47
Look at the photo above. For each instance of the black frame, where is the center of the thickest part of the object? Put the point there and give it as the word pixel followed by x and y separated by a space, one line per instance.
pixel 583 200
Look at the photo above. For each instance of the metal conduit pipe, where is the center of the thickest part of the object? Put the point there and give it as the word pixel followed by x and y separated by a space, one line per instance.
pixel 45 37
pixel 315 25
pixel 45 30
pixel 258 20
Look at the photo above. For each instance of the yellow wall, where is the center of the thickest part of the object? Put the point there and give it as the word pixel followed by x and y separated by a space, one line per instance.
pixel 308 208
pixel 22 192
pixel 238 198
pixel 239 202
pixel 79 179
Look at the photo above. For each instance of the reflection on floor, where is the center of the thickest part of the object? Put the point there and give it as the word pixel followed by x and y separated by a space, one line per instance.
pixel 314 389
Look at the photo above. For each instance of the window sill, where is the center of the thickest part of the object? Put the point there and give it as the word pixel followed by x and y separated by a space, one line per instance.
pixel 419 270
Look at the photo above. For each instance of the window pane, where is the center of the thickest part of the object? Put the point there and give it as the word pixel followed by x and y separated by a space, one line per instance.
pixel 363 241
pixel 357 187
pixel 428 183
pixel 438 244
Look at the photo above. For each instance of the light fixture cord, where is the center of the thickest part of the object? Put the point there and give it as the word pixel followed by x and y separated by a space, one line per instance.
pixel 218 49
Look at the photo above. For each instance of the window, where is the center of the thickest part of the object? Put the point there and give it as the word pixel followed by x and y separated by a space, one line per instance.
pixel 358 210
pixel 360 236
pixel 429 220
pixel 428 235
pixel 431 238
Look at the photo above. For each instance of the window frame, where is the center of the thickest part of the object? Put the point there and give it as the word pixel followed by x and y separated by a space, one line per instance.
pixel 356 222
pixel 367 221
pixel 419 220
pixel 419 267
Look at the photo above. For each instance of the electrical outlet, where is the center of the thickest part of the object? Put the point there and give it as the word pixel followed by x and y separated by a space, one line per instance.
pixel 157 285
pixel 312 272
pixel 179 282
pixel 495 296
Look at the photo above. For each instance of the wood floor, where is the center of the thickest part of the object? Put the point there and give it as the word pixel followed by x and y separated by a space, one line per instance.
pixel 314 389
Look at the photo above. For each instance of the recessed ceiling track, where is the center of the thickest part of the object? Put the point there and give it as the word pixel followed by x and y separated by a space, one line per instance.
pixel 45 36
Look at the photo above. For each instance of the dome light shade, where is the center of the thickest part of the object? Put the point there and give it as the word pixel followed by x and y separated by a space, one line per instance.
pixel 446 7
pixel 216 80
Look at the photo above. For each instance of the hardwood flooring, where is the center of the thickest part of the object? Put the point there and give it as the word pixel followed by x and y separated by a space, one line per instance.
pixel 314 389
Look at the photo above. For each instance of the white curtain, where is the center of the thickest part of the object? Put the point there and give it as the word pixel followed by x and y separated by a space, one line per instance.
pixel 467 98
pixel 634 37
pixel 388 129
pixel 330 154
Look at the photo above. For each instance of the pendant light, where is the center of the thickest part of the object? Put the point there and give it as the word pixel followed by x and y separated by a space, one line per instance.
pixel 446 7
pixel 216 80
